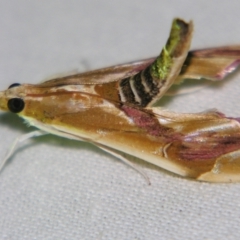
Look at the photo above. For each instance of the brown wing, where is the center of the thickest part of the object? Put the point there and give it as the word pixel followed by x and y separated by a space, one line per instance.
pixel 100 76
pixel 213 63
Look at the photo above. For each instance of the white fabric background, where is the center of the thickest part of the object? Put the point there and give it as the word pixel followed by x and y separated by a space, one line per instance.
pixel 55 188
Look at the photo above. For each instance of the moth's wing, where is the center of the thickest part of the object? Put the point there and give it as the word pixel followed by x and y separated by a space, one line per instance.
pixel 204 146
pixel 100 76
pixel 213 63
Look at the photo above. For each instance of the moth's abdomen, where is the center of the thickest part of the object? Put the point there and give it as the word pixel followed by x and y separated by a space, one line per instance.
pixel 139 89
pixel 149 85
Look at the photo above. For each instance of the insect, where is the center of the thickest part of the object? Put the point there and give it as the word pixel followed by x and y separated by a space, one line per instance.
pixel 112 108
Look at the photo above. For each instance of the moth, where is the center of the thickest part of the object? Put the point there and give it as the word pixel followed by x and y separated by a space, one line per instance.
pixel 112 108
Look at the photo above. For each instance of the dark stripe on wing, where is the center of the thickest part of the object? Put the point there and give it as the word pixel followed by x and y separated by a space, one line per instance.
pixel 141 91
pixel 126 90
pixel 144 86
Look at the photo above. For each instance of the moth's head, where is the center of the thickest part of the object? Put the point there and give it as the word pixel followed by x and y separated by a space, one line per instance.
pixel 28 99
pixel 45 103
pixel 12 99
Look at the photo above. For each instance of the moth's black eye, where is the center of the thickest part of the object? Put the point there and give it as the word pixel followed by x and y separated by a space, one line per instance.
pixel 14 85
pixel 15 105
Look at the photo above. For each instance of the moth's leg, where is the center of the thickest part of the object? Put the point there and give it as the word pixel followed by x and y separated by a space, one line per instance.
pixel 19 140
pixel 123 159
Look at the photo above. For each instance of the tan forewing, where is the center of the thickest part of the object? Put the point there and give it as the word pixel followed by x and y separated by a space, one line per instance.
pixel 204 146
pixel 213 63
pixel 101 76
